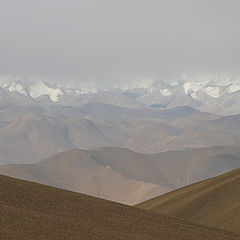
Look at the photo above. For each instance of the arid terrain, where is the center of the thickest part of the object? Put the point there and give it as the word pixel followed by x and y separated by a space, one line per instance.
pixel 119 120
pixel 213 202
pixel 122 175
pixel 46 130
pixel 33 211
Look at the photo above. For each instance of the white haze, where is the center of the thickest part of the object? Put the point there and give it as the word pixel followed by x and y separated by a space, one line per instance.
pixel 110 41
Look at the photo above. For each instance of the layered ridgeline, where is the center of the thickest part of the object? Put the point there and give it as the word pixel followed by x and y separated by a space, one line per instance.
pixel 31 134
pixel 33 211
pixel 213 202
pixel 122 175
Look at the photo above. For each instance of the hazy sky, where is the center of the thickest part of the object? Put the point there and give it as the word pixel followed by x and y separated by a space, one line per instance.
pixel 105 40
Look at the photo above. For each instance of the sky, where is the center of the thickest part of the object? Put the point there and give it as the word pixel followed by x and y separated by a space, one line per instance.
pixel 118 40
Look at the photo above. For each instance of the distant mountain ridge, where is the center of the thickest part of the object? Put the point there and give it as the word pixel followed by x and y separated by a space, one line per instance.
pixel 29 134
pixel 219 95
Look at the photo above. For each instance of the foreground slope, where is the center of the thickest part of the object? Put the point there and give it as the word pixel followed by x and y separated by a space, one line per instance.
pixel 34 211
pixel 215 202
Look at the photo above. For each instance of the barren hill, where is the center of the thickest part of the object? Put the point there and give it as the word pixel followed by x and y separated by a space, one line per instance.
pixel 215 202
pixel 45 132
pixel 33 211
pixel 122 175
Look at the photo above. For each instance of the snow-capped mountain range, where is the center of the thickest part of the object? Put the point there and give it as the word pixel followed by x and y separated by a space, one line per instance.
pixel 217 95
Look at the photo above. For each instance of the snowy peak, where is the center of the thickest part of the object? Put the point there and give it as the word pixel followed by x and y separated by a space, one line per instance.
pixel 213 87
pixel 41 88
pixel 203 93
pixel 38 88
pixel 34 89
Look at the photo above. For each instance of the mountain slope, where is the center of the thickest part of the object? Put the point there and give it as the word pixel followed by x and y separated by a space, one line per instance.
pixel 125 176
pixel 108 112
pixel 34 211
pixel 83 171
pixel 43 136
pixel 47 131
pixel 215 202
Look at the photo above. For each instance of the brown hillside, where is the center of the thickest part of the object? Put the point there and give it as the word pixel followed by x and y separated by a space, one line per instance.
pixel 214 202
pixel 45 133
pixel 34 211
pixel 121 175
